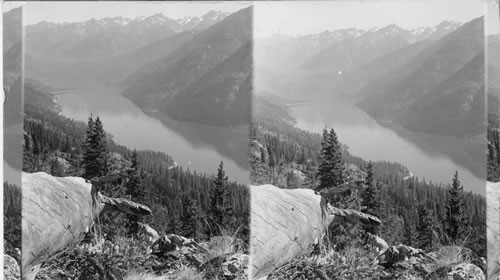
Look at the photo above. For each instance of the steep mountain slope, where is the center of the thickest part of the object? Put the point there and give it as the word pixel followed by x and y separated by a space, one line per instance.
pixel 391 96
pixel 494 77
pixel 97 39
pixel 350 82
pixel 119 67
pixel 281 52
pixel 161 82
pixel 220 97
pixel 456 106
pixel 340 62
pixel 12 46
pixel 349 53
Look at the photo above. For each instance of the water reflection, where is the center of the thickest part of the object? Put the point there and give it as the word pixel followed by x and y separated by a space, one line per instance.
pixel 198 147
pixel 435 157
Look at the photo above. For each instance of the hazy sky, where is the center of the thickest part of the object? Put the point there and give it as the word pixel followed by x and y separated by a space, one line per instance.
pixel 83 11
pixel 292 17
pixel 493 18
pixel 306 17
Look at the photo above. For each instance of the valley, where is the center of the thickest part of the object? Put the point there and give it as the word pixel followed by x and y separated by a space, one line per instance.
pixel 413 96
pixel 194 146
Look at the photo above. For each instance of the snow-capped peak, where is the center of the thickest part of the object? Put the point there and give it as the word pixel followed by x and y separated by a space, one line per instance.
pixel 202 21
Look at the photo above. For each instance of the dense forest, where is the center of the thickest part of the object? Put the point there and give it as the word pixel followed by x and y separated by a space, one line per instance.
pixel 414 212
pixel 493 162
pixel 58 145
pixel 12 220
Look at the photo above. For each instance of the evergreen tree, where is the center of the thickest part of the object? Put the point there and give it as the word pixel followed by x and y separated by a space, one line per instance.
pixel 410 233
pixel 427 225
pixel 331 168
pixel 191 216
pixel 95 154
pixel 371 199
pixel 134 187
pixel 220 203
pixel 456 219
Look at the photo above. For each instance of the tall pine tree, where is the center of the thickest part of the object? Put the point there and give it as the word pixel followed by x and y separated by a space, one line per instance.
pixel 370 198
pixel 95 150
pixel 135 189
pixel 456 219
pixel 427 226
pixel 220 211
pixel 331 167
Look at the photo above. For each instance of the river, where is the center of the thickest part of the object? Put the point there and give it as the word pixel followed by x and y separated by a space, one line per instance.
pixel 430 156
pixel 194 146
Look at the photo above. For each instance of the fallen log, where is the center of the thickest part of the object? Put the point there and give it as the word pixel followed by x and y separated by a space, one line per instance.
pixel 289 223
pixel 58 211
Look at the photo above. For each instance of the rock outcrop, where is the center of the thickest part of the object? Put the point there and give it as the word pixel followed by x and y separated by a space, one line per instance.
pixel 58 211
pixel 466 271
pixel 290 223
pixel 493 229
pixel 10 268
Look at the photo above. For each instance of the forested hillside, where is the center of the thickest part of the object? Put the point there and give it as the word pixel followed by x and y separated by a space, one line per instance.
pixel 183 202
pixel 413 211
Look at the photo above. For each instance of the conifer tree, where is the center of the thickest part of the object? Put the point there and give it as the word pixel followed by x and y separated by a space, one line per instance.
pixel 134 187
pixel 456 219
pixel 101 147
pixel 410 232
pixel 191 216
pixel 338 162
pixel 370 198
pixel 95 155
pixel 427 225
pixel 220 203
pixel 331 168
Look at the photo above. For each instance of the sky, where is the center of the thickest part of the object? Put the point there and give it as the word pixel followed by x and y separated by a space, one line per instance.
pixel 492 18
pixel 306 17
pixel 83 11
pixel 273 17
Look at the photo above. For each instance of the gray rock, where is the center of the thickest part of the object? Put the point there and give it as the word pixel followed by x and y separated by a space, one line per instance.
pixel 466 271
pixel 236 265
pixel 11 269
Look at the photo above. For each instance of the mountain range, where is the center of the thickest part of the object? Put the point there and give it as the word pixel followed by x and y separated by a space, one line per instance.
pixel 111 36
pixel 493 51
pixel 190 68
pixel 427 79
pixel 194 69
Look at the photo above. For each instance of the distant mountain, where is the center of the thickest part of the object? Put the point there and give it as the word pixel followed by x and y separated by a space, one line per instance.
pixel 12 46
pixel 119 67
pixel 436 32
pixel 220 97
pixel 12 66
pixel 97 39
pixel 428 77
pixel 208 64
pixel 203 22
pixel 494 77
pixel 338 62
pixel 354 51
pixel 12 31
pixel 456 106
pixel 288 52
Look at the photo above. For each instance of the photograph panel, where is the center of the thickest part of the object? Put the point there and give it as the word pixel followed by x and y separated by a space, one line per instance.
pixel 12 137
pixel 136 124
pixel 493 154
pixel 368 140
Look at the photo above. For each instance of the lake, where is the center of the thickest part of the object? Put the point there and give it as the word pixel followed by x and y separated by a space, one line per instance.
pixel 430 156
pixel 194 146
